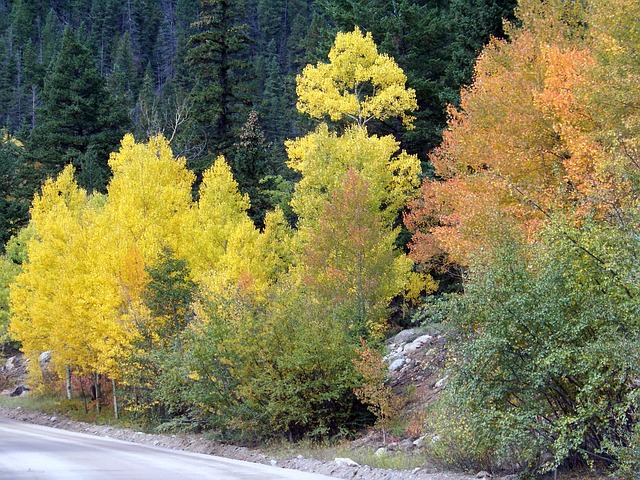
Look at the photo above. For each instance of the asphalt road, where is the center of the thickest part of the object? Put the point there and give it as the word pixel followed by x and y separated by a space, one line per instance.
pixel 36 452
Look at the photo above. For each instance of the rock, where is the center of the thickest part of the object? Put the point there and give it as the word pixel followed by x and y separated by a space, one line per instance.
pixel 53 419
pixel 273 463
pixel 420 441
pixel 381 452
pixel 397 364
pixel 415 470
pixel 404 336
pixel 346 462
pixel 417 344
pixel 19 391
pixel 406 445
pixel 392 446
pixel 8 366
pixel 483 474
pixel 300 457
pixel 442 382
pixel 45 357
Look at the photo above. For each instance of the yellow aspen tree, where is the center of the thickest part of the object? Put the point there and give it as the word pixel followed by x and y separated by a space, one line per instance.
pixel 149 197
pixel 353 185
pixel 59 299
pixel 226 250
pixel 358 84
pixel 323 158
pixel 350 260
pixel 148 207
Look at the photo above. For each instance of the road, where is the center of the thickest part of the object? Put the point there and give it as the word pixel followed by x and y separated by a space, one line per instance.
pixel 36 452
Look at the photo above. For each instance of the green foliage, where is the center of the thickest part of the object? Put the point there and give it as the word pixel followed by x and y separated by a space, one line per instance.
pixel 13 200
pixel 544 372
pixel 10 266
pixel 254 163
pixel 269 369
pixel 169 294
pixel 77 122
pixel 218 54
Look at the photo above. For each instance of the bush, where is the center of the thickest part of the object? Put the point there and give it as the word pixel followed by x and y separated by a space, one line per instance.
pixel 281 367
pixel 548 358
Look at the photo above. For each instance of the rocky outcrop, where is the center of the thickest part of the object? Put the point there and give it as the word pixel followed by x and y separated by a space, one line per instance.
pixel 415 360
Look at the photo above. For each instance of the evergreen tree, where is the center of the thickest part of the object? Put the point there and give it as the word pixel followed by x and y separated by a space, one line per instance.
pixel 218 54
pixel 123 81
pixel 254 164
pixel 77 122
pixel 275 102
pixel 13 207
pixel 471 23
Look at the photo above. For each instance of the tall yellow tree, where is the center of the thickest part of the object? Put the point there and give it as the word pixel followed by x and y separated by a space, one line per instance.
pixel 225 250
pixel 358 84
pixel 339 246
pixel 63 300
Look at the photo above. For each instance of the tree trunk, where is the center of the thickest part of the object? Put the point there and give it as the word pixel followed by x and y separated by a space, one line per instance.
pixel 97 385
pixel 115 398
pixel 68 381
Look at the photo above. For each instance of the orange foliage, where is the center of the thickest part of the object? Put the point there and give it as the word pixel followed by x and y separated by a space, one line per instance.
pixel 522 147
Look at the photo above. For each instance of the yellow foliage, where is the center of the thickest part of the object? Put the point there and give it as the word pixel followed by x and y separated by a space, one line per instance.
pixel 323 158
pixel 358 83
pixel 225 249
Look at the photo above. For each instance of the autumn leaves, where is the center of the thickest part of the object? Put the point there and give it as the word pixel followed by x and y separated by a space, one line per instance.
pixel 86 292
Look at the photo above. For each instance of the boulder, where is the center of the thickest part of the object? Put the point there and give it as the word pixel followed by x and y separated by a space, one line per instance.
pixel 405 336
pixel 397 364
pixel 346 462
pixel 417 344
pixel 9 364
pixel 442 382
pixel 381 452
pixel 45 357
pixel 19 391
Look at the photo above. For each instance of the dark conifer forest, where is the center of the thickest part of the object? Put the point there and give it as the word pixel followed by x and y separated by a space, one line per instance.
pixel 213 76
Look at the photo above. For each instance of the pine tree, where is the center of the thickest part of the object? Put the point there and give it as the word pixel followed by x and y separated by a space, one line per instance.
pixel 253 160
pixel 13 208
pixel 77 122
pixel 218 53
pixel 123 83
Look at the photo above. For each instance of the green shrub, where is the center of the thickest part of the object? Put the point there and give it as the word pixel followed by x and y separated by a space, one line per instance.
pixel 547 359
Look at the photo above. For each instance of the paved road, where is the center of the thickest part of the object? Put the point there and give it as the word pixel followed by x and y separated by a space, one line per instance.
pixel 36 452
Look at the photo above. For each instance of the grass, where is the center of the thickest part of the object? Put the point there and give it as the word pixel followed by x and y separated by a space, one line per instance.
pixel 365 455
pixel 28 402
pixel 72 409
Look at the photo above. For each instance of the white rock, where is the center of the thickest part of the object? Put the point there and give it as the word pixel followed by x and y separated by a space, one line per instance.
pixel 381 452
pixel 273 463
pixel 420 441
pixel 404 336
pixel 417 343
pixel 45 357
pixel 346 462
pixel 442 382
pixel 397 364
pixel 483 474
pixel 300 457
pixel 9 363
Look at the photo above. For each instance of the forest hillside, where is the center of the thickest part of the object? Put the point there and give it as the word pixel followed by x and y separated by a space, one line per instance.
pixel 216 214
